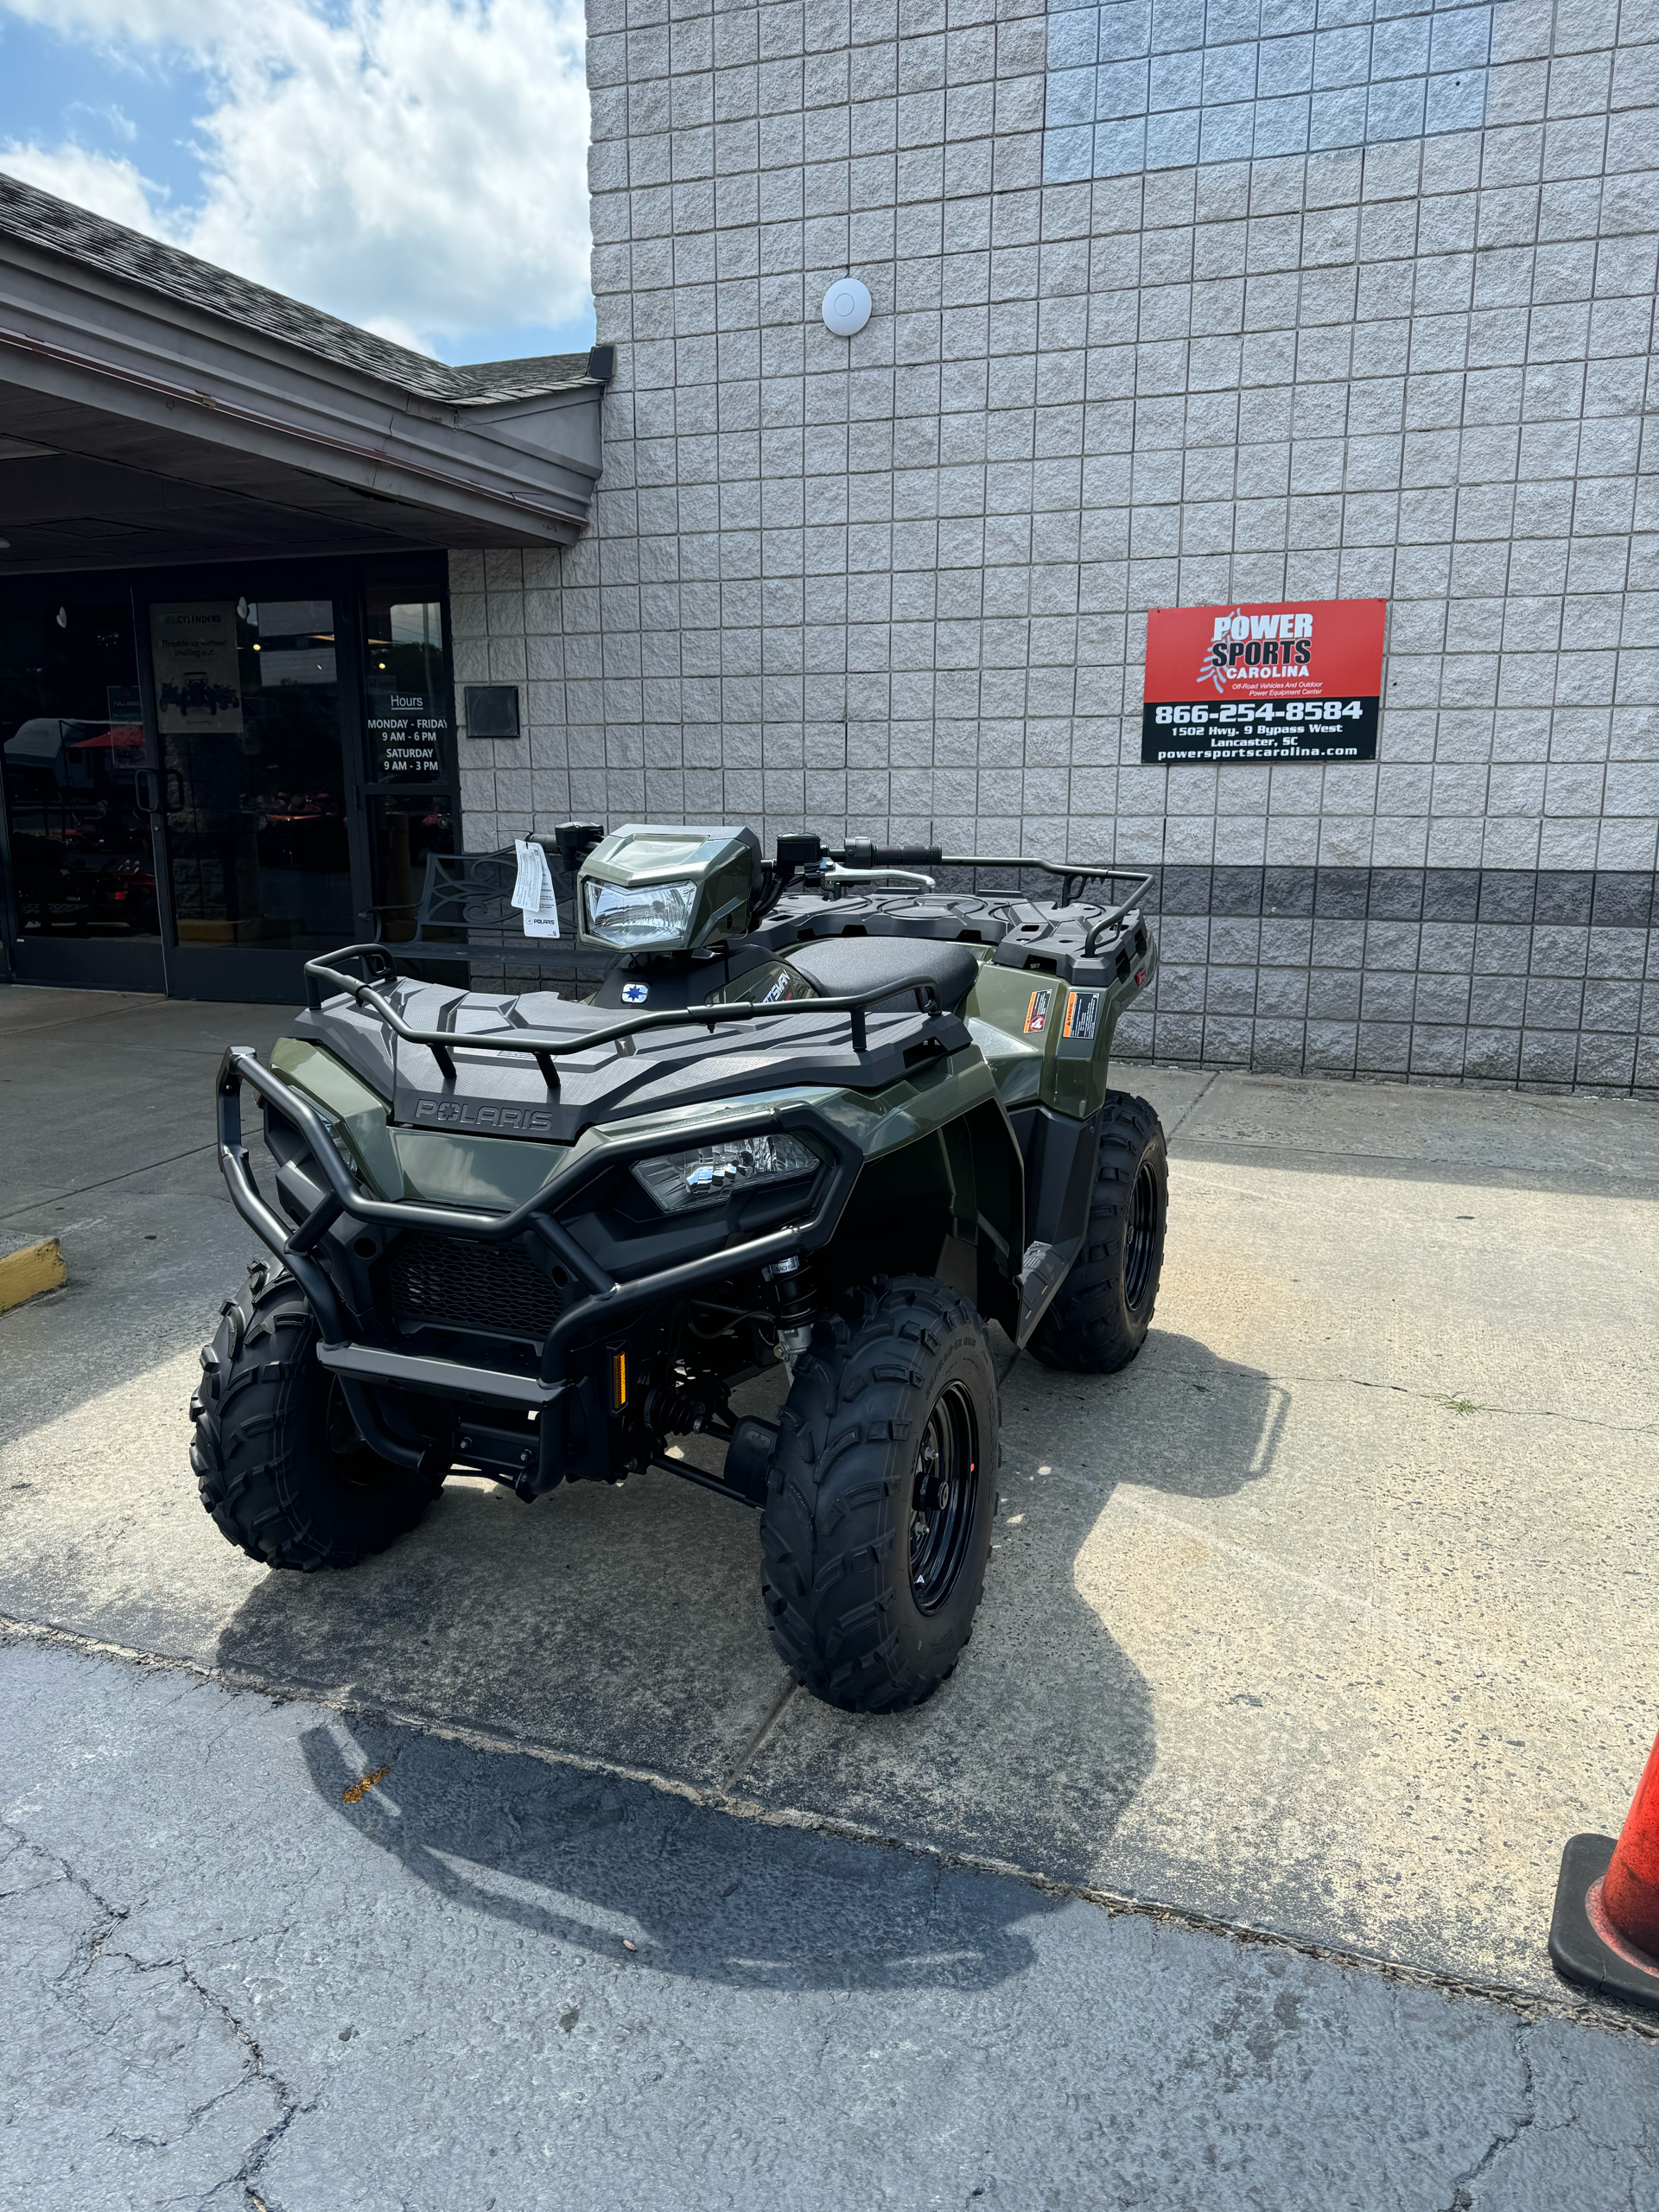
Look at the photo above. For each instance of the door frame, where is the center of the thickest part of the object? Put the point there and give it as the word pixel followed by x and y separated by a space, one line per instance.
pixel 155 770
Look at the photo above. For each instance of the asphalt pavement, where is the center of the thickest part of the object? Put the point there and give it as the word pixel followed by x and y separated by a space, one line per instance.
pixel 262 1953
pixel 1220 1874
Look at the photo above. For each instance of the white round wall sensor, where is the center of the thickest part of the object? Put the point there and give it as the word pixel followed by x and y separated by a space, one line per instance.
pixel 847 306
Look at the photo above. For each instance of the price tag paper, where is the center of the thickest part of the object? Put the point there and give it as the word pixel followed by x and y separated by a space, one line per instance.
pixel 532 890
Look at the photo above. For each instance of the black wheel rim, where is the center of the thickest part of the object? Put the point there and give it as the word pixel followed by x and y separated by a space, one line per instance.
pixel 1142 1238
pixel 945 1485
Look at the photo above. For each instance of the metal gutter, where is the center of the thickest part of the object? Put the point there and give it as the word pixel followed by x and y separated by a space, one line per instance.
pixel 376 456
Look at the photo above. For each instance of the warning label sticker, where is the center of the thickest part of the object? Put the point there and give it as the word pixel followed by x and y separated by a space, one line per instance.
pixel 1082 1014
pixel 1037 1012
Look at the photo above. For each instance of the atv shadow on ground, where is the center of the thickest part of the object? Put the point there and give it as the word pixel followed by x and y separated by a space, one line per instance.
pixel 660 1884
pixel 626 1626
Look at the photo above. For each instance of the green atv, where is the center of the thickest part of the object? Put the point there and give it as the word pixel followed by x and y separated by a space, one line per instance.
pixel 819 1112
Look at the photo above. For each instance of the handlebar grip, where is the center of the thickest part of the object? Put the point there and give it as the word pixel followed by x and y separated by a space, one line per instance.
pixel 861 855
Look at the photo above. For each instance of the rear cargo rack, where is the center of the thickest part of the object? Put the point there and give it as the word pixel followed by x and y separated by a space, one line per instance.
pixel 546 1052
pixel 793 853
pixel 1069 872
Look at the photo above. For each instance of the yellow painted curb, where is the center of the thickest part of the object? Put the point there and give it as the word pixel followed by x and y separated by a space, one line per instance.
pixel 30 1270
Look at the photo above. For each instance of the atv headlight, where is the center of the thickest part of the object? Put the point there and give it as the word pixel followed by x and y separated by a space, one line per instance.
pixel 629 915
pixel 679 1180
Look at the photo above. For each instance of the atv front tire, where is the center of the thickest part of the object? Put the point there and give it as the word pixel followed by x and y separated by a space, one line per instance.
pixel 277 1458
pixel 1103 1310
pixel 877 1522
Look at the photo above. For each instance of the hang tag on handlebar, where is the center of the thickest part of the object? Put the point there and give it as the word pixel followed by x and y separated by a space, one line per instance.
pixel 532 890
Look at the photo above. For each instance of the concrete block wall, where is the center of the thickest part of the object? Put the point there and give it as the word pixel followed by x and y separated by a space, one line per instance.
pixel 899 585
pixel 1151 84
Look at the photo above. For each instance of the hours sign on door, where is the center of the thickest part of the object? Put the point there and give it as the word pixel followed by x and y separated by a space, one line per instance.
pixel 1268 680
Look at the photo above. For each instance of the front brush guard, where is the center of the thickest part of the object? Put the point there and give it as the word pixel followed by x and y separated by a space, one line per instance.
pixel 607 1301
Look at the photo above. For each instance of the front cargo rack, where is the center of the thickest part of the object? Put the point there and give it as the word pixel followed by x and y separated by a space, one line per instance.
pixel 546 1052
pixel 604 1300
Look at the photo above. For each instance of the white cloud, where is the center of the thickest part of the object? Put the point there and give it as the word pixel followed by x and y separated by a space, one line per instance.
pixel 107 186
pixel 419 166
pixel 112 119
pixel 138 22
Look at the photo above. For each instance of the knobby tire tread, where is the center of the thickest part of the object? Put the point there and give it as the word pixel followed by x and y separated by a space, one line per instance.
pixel 1084 1332
pixel 836 1485
pixel 254 1442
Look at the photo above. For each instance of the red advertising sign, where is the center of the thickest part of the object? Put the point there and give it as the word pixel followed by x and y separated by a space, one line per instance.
pixel 1297 679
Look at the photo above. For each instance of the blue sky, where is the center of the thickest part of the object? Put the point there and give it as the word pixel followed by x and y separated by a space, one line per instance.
pixel 416 166
pixel 56 90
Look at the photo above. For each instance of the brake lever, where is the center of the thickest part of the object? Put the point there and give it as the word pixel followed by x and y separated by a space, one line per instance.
pixel 834 873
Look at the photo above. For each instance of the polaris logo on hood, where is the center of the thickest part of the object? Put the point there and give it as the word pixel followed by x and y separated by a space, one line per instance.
pixel 484 1120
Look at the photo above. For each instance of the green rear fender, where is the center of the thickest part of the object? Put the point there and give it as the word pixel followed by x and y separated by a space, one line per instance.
pixel 1047 1042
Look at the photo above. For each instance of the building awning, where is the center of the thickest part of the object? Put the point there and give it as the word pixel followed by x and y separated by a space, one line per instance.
pixel 157 410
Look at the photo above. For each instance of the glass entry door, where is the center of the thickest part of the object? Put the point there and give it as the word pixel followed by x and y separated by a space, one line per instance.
pixel 80 792
pixel 211 775
pixel 248 702
pixel 410 782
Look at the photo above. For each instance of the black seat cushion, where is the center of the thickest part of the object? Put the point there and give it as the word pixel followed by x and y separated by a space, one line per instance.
pixel 840 966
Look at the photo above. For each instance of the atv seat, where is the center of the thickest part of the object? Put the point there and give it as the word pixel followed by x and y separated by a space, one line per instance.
pixel 843 965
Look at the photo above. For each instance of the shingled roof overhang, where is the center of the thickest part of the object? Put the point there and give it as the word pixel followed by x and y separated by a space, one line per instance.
pixel 154 408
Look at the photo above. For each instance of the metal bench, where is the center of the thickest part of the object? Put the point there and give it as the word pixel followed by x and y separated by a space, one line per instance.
pixel 464 921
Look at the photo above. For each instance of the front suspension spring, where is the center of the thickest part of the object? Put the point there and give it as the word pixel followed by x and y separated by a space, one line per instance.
pixel 790 1283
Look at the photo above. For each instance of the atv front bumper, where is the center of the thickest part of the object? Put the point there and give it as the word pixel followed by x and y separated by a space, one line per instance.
pixel 568 1420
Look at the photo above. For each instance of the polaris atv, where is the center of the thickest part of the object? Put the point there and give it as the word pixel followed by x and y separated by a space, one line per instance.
pixel 819 1113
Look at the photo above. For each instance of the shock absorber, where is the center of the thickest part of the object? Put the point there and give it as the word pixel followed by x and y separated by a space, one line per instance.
pixel 790 1281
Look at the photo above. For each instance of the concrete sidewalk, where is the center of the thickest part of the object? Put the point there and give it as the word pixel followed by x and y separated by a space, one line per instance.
pixel 1333 1617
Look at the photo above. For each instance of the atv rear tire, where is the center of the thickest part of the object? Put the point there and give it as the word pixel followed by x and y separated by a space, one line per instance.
pixel 1103 1310
pixel 279 1462
pixel 877 1522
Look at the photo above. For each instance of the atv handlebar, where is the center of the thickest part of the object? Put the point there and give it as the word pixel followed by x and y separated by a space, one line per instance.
pixel 806 851
pixel 860 854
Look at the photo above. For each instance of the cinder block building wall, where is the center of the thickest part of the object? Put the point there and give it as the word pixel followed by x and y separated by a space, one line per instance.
pixel 1173 306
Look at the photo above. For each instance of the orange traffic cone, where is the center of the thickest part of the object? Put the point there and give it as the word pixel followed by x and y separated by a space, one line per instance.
pixel 1605 1929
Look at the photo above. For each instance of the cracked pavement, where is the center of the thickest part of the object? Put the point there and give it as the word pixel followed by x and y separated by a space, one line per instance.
pixel 1220 1874
pixel 495 1982
pixel 185 2108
